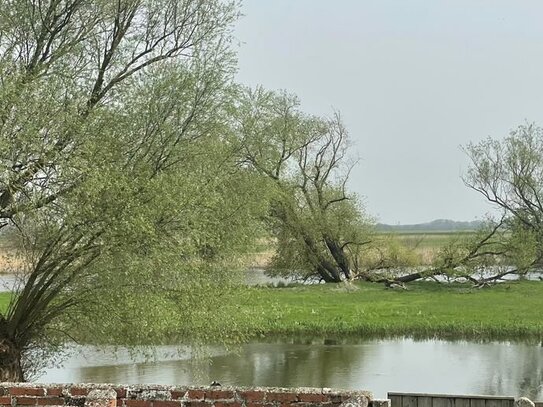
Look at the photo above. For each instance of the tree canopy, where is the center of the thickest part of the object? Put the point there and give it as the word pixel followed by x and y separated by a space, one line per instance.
pixel 118 172
pixel 319 226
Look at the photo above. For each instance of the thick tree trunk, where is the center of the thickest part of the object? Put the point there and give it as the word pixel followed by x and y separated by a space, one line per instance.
pixel 339 256
pixel 10 362
pixel 326 270
pixel 402 279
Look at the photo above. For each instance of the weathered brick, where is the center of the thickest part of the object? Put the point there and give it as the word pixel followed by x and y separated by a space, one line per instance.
pixel 226 404
pixel 26 391
pixel 312 397
pixel 5 400
pixel 50 401
pixel 306 404
pixel 121 392
pixel 79 391
pixel 197 404
pixel 54 391
pixel 281 397
pixel 251 395
pixel 28 401
pixel 219 395
pixel 178 394
pixel 194 394
pixel 167 403
pixel 138 403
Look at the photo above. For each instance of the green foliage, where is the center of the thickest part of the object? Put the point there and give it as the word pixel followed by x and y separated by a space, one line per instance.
pixel 319 226
pixel 121 172
pixel 509 173
pixel 390 252
pixel 426 309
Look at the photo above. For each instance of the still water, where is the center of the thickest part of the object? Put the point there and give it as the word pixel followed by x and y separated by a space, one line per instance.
pixel 433 366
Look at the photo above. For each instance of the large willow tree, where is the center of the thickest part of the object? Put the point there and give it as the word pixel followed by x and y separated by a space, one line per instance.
pixel 116 171
pixel 319 226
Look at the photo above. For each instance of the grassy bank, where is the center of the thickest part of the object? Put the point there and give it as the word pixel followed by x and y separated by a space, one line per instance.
pixel 4 301
pixel 508 311
pixel 425 310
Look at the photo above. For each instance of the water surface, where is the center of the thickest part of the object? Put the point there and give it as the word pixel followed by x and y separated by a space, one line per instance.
pixel 403 365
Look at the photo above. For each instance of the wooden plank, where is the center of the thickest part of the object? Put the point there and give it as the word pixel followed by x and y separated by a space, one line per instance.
pixel 424 401
pixel 442 402
pixel 461 402
pixel 493 403
pixel 395 400
pixel 454 396
pixel 410 401
pixel 477 402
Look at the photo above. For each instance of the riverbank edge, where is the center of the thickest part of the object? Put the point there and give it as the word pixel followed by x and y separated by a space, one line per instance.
pixel 426 310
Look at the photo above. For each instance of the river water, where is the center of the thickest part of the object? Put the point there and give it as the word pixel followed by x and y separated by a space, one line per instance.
pixel 380 366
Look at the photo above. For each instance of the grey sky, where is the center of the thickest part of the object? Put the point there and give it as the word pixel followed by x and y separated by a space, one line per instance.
pixel 414 80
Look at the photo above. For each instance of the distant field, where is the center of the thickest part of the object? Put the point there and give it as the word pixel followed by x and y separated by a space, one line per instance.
pixel 431 240
pixel 423 246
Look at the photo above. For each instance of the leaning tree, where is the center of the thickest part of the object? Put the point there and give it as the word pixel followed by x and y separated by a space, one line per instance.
pixel 509 174
pixel 318 224
pixel 116 171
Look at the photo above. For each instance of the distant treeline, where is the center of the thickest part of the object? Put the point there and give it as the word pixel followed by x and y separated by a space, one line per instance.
pixel 435 225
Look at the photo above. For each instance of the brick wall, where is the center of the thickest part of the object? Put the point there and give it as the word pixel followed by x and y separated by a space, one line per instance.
pixel 104 395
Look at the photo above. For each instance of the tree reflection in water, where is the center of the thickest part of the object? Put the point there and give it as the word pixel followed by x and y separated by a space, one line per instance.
pixel 432 366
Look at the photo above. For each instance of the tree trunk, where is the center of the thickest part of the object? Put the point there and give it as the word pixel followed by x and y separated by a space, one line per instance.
pixel 402 279
pixel 10 362
pixel 339 256
pixel 326 270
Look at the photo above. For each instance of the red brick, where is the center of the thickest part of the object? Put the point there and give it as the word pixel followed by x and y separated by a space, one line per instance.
pixel 281 397
pixel 226 404
pixel 26 391
pixel 312 397
pixel 121 393
pixel 176 394
pixel 5 400
pixel 197 404
pixel 219 394
pixel 51 401
pixel 79 391
pixel 252 395
pixel 195 394
pixel 27 401
pixel 138 403
pixel 54 391
pixel 166 403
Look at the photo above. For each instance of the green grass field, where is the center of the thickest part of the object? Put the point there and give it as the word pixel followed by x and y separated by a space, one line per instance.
pixel 426 309
pixel 4 301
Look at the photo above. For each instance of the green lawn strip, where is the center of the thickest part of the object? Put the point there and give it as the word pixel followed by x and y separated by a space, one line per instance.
pixel 508 311
pixel 4 301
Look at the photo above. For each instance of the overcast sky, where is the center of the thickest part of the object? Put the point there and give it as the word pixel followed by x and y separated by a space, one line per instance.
pixel 414 80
